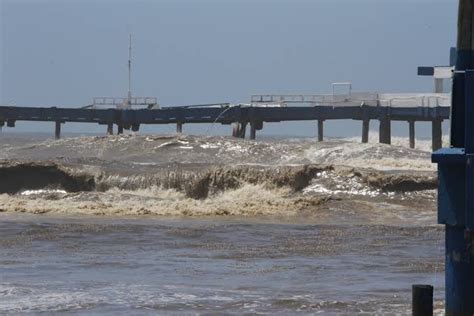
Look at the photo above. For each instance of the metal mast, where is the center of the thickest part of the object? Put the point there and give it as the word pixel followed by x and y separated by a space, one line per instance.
pixel 126 103
pixel 129 96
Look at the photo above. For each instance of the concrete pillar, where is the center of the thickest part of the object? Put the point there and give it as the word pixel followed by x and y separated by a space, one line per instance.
pixel 320 130
pixel 238 129
pixel 437 134
pixel 119 129
pixel 253 130
pixel 242 129
pixel 110 128
pixel 411 128
pixel 365 131
pixel 235 129
pixel 57 130
pixel 385 131
pixel 179 127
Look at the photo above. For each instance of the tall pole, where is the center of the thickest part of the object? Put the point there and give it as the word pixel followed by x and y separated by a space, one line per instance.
pixel 464 60
pixel 129 97
pixel 456 175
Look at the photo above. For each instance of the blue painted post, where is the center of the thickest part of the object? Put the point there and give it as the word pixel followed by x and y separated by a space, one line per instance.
pixel 456 176
pixel 456 211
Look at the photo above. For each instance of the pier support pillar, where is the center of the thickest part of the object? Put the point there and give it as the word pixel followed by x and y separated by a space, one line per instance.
pixel 179 127
pixel 365 131
pixel 437 134
pixel 110 128
pixel 320 130
pixel 243 130
pixel 57 130
pixel 238 129
pixel 235 129
pixel 385 131
pixel 119 129
pixel 411 128
pixel 253 130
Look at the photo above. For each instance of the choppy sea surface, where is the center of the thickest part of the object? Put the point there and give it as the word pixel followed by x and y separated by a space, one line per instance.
pixel 180 224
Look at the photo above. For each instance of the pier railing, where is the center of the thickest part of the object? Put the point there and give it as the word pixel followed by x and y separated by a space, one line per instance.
pixel 414 100
pixel 119 102
pixel 352 99
pixel 356 99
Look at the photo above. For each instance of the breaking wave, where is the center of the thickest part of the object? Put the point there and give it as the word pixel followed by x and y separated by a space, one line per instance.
pixel 203 176
pixel 198 184
pixel 49 187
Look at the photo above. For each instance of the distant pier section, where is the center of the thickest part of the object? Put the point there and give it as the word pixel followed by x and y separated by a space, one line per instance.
pixel 264 108
pixel 364 107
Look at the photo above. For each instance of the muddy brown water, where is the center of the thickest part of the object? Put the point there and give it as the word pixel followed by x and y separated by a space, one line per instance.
pixel 344 241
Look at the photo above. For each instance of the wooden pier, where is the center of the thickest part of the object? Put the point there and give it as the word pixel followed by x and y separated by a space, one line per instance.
pixel 364 107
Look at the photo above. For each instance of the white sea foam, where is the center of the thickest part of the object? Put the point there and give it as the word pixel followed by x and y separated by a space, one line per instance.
pixel 248 200
pixel 342 185
pixel 404 142
pixel 42 191
pixel 376 156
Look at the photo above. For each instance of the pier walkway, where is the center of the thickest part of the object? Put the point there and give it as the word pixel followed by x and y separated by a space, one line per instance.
pixel 363 107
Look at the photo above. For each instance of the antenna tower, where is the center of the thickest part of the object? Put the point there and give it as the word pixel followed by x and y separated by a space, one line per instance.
pixel 129 96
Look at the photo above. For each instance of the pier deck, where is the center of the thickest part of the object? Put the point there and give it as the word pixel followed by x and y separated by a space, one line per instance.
pixel 263 108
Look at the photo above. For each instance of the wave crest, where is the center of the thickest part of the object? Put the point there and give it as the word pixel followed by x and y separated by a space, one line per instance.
pixel 200 183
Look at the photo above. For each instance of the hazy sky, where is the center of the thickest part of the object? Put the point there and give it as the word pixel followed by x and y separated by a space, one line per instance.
pixel 63 53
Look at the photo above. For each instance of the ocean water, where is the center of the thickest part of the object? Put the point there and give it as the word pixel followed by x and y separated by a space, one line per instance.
pixel 173 224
